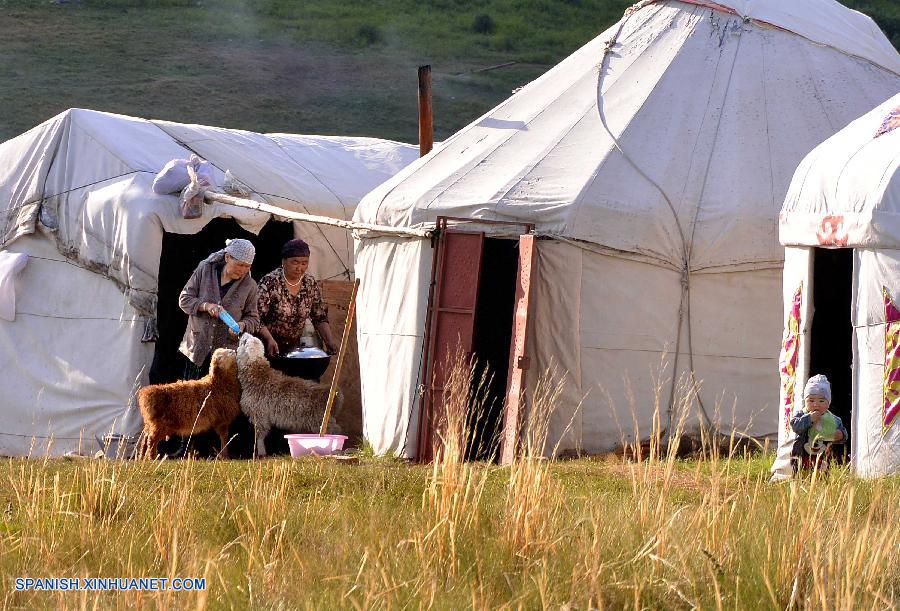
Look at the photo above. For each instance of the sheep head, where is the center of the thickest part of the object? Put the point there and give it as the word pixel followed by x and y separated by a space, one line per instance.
pixel 223 363
pixel 250 349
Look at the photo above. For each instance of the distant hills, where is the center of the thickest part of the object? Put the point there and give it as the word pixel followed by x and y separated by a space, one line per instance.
pixel 302 66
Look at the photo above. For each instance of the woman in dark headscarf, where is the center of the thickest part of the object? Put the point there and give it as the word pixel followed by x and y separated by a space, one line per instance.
pixel 287 297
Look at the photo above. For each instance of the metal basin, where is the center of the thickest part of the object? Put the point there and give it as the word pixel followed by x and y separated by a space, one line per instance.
pixel 308 363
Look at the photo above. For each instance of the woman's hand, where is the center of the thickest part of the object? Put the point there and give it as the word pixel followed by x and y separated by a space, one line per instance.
pixel 242 326
pixel 212 309
pixel 331 348
pixel 272 346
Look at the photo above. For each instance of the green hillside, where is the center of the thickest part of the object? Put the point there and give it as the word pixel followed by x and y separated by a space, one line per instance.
pixel 312 66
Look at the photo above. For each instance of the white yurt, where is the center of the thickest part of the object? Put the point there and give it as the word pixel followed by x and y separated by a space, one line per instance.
pixel 840 225
pixel 650 165
pixel 78 321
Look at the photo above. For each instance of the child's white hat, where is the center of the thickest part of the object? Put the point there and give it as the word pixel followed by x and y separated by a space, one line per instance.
pixel 818 385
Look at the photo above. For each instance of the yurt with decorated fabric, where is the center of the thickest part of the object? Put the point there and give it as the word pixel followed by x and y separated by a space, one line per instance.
pixel 89 249
pixel 840 225
pixel 645 172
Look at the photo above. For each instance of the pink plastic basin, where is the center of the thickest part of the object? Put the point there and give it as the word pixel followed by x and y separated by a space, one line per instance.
pixel 302 444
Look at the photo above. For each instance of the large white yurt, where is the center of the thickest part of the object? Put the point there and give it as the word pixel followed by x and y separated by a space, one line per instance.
pixel 650 165
pixel 840 225
pixel 78 326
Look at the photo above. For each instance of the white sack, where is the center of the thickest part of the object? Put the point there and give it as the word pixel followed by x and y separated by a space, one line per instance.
pixel 174 176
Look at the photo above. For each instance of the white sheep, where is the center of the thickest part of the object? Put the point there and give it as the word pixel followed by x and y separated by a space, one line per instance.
pixel 270 398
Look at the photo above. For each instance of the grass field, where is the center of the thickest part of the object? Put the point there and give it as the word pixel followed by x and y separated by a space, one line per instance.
pixel 653 531
pixel 285 534
pixel 315 66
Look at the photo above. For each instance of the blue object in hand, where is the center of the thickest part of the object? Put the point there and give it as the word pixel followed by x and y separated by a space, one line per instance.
pixel 228 320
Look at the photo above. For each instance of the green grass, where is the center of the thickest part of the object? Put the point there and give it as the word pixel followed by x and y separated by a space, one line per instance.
pixel 278 65
pixel 312 534
pixel 296 66
pixel 653 532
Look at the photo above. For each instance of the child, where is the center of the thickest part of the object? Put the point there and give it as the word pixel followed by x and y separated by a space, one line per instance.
pixel 816 428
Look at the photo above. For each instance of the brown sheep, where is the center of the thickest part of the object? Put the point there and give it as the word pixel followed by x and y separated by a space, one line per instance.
pixel 190 407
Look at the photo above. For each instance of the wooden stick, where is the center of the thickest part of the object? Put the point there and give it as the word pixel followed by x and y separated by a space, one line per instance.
pixel 242 202
pixel 332 392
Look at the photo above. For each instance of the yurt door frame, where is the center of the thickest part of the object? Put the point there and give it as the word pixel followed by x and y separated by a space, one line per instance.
pixel 831 332
pixel 450 322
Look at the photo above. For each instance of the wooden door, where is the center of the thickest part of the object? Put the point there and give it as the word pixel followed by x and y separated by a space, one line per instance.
pixel 451 324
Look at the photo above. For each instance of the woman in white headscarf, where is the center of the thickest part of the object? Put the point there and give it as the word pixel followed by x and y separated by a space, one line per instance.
pixel 221 282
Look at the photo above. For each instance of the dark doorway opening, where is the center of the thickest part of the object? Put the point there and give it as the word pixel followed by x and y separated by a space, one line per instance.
pixel 491 343
pixel 180 256
pixel 831 336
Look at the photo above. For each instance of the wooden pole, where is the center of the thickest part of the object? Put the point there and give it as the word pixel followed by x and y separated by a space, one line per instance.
pixel 426 119
pixel 212 197
pixel 332 392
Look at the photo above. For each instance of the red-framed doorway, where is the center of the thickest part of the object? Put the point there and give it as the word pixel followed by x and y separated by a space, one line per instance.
pixel 463 256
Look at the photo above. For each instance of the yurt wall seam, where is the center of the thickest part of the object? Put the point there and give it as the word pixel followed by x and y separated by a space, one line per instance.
pixel 690 245
pixel 712 150
pixel 53 157
pixel 889 172
pixel 484 154
pixel 90 184
pixel 611 252
pixel 817 94
pixel 310 172
pixel 347 238
pixel 54 317
pixel 803 182
pixel 417 396
pixel 551 147
pixel 847 162
pixel 102 145
pixel 765 91
pixel 500 196
pixel 684 280
pixel 26 436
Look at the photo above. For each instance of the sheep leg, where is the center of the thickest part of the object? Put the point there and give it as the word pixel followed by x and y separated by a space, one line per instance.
pixel 223 438
pixel 259 446
pixel 152 439
pixel 333 427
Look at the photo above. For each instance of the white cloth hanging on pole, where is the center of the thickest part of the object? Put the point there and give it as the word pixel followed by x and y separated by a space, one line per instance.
pixel 11 263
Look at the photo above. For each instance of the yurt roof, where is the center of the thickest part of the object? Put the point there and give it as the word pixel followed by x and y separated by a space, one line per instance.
pixel 825 22
pixel 846 192
pixel 671 136
pixel 86 176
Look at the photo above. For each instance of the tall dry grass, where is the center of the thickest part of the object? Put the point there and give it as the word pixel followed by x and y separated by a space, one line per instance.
pixel 650 530
pixel 450 503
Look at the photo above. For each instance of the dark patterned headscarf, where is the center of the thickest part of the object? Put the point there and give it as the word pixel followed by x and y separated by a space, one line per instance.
pixel 294 248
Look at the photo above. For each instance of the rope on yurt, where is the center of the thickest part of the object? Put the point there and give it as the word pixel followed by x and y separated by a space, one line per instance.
pixel 690 244
pixel 684 305
pixel 684 275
